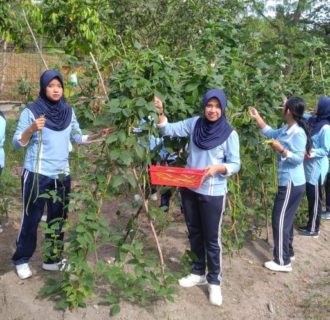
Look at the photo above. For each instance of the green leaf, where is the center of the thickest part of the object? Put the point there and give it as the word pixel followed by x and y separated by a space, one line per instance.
pixel 122 136
pixel 116 181
pixel 126 158
pixel 115 110
pixel 141 102
pixel 191 87
pixel 81 228
pixel 114 103
pixel 126 112
pixel 62 304
pixel 137 45
pixel 131 180
pixel 140 151
pixel 111 138
pixel 45 196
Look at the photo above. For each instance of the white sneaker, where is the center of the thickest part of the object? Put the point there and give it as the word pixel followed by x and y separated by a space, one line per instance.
pixel 44 217
pixel 192 280
pixel 58 266
pixel 215 296
pixel 137 197
pixel 272 265
pixel 23 271
pixel 154 197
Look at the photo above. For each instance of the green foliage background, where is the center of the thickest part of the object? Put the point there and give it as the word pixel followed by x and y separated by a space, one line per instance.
pixel 176 50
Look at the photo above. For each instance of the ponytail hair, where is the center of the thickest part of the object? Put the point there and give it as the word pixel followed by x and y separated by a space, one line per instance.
pixel 297 107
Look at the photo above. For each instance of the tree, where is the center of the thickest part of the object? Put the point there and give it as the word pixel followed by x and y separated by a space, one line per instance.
pixel 177 50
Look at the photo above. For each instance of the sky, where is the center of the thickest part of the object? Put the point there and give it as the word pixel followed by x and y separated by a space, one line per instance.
pixel 272 3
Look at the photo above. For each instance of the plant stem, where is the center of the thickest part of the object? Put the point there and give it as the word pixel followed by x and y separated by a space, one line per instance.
pixel 102 197
pixel 35 174
pixel 146 208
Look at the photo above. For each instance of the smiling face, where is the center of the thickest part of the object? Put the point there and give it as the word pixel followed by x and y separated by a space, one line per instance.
pixel 54 90
pixel 212 110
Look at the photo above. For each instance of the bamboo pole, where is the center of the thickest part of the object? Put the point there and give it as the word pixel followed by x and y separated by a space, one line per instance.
pixel 146 208
pixel 35 40
pixel 100 76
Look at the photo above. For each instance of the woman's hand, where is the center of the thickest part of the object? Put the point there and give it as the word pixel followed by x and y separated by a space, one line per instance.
pixel 159 109
pixel 38 124
pixel 159 105
pixel 253 112
pixel 284 100
pixel 213 169
pixel 277 146
pixel 105 132
pixel 102 134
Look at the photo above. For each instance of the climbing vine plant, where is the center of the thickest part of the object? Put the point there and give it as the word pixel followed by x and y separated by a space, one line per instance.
pixel 223 51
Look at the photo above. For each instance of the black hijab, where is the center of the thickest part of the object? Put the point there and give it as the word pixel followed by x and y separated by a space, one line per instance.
pixel 322 116
pixel 58 114
pixel 210 134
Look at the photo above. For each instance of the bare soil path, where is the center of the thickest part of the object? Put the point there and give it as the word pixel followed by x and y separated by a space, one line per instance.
pixel 249 290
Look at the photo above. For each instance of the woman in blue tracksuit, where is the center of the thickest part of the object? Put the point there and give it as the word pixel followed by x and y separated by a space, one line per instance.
pixel 2 140
pixel 46 127
pixel 214 146
pixel 316 166
pixel 326 214
pixel 291 142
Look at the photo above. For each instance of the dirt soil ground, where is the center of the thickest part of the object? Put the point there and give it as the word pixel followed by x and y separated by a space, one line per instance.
pixel 249 290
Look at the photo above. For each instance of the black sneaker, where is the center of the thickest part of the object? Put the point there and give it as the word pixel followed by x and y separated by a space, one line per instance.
pixel 303 231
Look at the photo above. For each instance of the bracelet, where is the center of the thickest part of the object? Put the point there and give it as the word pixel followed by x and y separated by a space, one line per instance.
pixel 160 114
pixel 282 151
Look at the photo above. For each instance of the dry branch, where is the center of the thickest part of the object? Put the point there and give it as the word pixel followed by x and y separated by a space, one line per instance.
pixel 100 76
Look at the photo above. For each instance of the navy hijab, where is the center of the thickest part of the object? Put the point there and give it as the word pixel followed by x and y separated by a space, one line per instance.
pixel 210 134
pixel 58 114
pixel 322 116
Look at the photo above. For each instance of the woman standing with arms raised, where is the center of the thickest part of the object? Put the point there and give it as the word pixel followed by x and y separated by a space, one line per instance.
pixel 291 142
pixel 213 146
pixel 316 166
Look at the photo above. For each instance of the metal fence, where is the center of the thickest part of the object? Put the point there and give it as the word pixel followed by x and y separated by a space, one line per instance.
pixel 20 72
